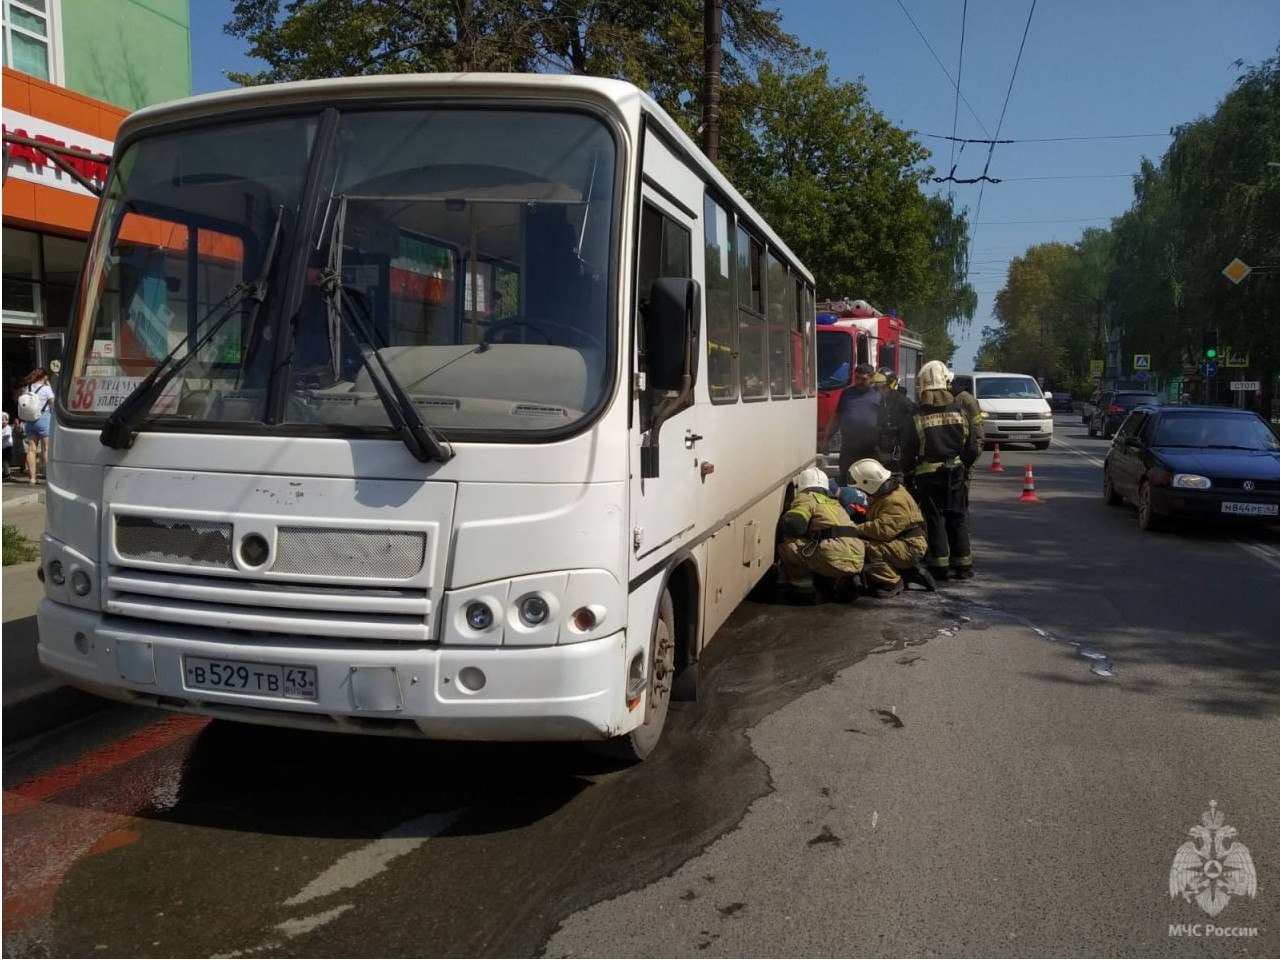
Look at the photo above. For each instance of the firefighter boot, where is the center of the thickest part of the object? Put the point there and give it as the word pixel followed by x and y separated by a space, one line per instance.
pixel 919 574
pixel 846 590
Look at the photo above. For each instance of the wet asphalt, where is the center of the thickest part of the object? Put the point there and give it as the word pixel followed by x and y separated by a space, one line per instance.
pixel 942 774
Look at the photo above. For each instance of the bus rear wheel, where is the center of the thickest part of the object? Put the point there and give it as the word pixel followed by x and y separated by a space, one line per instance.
pixel 643 740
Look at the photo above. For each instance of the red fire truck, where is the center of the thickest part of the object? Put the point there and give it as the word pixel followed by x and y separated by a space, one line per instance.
pixel 852 332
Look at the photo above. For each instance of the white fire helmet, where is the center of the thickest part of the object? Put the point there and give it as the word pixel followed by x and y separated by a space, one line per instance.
pixel 934 375
pixel 868 475
pixel 812 478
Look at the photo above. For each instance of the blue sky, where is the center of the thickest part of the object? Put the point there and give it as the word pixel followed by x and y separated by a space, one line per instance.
pixel 1089 68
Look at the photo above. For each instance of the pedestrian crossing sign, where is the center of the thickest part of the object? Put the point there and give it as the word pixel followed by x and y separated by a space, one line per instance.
pixel 1142 361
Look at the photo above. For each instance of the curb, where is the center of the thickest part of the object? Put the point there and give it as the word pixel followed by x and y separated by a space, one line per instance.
pixel 23 499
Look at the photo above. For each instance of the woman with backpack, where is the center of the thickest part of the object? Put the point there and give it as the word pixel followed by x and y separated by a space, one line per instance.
pixel 35 409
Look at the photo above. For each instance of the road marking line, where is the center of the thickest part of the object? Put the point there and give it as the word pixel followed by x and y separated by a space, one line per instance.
pixel 296 928
pixel 1260 551
pixel 373 858
pixel 1078 452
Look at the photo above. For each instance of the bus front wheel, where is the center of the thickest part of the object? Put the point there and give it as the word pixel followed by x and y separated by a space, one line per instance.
pixel 643 740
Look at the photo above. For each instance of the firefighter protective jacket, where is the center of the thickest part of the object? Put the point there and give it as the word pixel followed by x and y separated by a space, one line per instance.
pixel 974 412
pixel 810 515
pixel 891 515
pixel 941 438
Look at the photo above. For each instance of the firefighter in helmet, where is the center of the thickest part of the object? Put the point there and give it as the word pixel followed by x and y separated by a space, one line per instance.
pixel 818 543
pixel 937 457
pixel 893 533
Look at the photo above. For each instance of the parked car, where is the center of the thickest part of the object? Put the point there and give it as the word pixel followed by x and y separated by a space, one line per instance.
pixel 1113 406
pixel 1213 463
pixel 1014 409
pixel 1087 408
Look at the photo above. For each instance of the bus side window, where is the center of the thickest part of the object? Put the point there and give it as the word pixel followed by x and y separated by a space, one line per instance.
pixel 665 251
pixel 722 308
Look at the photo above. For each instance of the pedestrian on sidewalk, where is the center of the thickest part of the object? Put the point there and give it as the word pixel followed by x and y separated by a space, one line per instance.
pixel 35 407
pixel 8 444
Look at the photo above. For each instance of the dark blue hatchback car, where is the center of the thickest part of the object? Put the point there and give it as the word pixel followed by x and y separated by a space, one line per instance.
pixel 1211 463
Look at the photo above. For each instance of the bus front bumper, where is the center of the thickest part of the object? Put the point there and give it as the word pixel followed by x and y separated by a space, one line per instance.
pixel 568 692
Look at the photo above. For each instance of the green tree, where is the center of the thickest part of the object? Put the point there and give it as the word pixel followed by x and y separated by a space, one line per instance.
pixel 838 181
pixel 656 45
pixel 842 185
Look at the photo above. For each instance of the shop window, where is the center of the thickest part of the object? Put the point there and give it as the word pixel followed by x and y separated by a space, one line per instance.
pixel 22 277
pixel 30 38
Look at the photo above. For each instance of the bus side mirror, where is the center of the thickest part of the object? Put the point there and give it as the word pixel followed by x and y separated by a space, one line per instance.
pixel 671 323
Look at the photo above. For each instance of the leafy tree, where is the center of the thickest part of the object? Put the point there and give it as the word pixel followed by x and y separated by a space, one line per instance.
pixel 657 45
pixel 836 179
pixel 1211 198
pixel 841 184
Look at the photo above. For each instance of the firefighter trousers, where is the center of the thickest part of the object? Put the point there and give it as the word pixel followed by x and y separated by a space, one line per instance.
pixel 801 559
pixel 943 497
pixel 886 558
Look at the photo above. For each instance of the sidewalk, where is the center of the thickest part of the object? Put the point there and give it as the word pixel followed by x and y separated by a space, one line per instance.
pixel 33 700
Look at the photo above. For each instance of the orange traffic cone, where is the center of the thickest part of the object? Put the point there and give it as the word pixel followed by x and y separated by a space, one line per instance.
pixel 1029 487
pixel 996 465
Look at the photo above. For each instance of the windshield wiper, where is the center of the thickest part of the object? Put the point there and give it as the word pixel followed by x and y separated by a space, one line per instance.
pixel 421 440
pixel 121 427
pixel 1230 446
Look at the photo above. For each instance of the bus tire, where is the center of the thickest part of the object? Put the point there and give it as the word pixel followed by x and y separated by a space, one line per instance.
pixel 640 743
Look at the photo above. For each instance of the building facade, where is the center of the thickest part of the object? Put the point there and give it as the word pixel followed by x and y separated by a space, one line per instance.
pixel 73 69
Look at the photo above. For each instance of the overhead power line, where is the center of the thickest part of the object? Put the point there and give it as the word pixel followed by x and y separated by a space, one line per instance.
pixel 951 178
pixel 991 149
pixel 955 112
pixel 1104 136
pixel 998 223
pixel 945 70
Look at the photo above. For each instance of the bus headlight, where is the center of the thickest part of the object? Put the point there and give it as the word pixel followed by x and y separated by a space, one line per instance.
pixel 80 583
pixel 479 616
pixel 534 610
pixel 56 573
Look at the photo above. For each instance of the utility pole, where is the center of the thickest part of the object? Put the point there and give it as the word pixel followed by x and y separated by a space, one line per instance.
pixel 713 16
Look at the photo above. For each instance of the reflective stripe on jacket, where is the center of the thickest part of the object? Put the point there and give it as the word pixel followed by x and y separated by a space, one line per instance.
pixel 821 512
pixel 973 411
pixel 942 437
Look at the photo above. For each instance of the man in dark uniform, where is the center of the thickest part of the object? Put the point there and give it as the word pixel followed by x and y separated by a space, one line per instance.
pixel 898 411
pixel 940 449
pixel 860 417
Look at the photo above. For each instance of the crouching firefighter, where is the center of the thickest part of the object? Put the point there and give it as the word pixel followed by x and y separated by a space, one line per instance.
pixel 937 457
pixel 893 534
pixel 818 544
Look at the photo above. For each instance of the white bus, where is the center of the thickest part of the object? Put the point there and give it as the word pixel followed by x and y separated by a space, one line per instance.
pixel 457 406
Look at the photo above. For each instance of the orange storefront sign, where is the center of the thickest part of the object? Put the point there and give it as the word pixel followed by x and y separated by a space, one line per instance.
pixel 51 113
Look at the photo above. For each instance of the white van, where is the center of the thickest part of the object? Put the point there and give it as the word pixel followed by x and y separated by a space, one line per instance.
pixel 1014 408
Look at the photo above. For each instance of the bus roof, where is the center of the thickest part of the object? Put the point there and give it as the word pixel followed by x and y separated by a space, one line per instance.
pixel 624 99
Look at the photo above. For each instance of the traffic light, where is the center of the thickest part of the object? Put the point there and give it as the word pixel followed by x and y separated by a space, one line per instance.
pixel 1209 342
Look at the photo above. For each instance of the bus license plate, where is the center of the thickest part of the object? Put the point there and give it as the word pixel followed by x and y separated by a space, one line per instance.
pixel 259 679
pixel 1251 509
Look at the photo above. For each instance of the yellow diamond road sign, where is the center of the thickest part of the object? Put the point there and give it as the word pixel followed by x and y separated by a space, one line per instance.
pixel 1236 270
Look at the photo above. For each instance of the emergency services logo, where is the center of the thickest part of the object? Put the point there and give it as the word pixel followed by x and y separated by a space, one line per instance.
pixel 1212 867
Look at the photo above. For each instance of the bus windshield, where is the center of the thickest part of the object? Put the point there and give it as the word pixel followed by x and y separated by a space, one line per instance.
pixel 291 263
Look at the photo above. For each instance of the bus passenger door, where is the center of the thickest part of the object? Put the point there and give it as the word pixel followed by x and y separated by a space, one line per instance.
pixel 663 506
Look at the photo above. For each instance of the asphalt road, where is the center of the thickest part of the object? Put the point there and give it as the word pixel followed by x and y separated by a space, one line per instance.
pixel 1006 768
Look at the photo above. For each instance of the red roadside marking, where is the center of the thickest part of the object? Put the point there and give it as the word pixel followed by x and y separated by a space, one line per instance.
pixel 132 747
